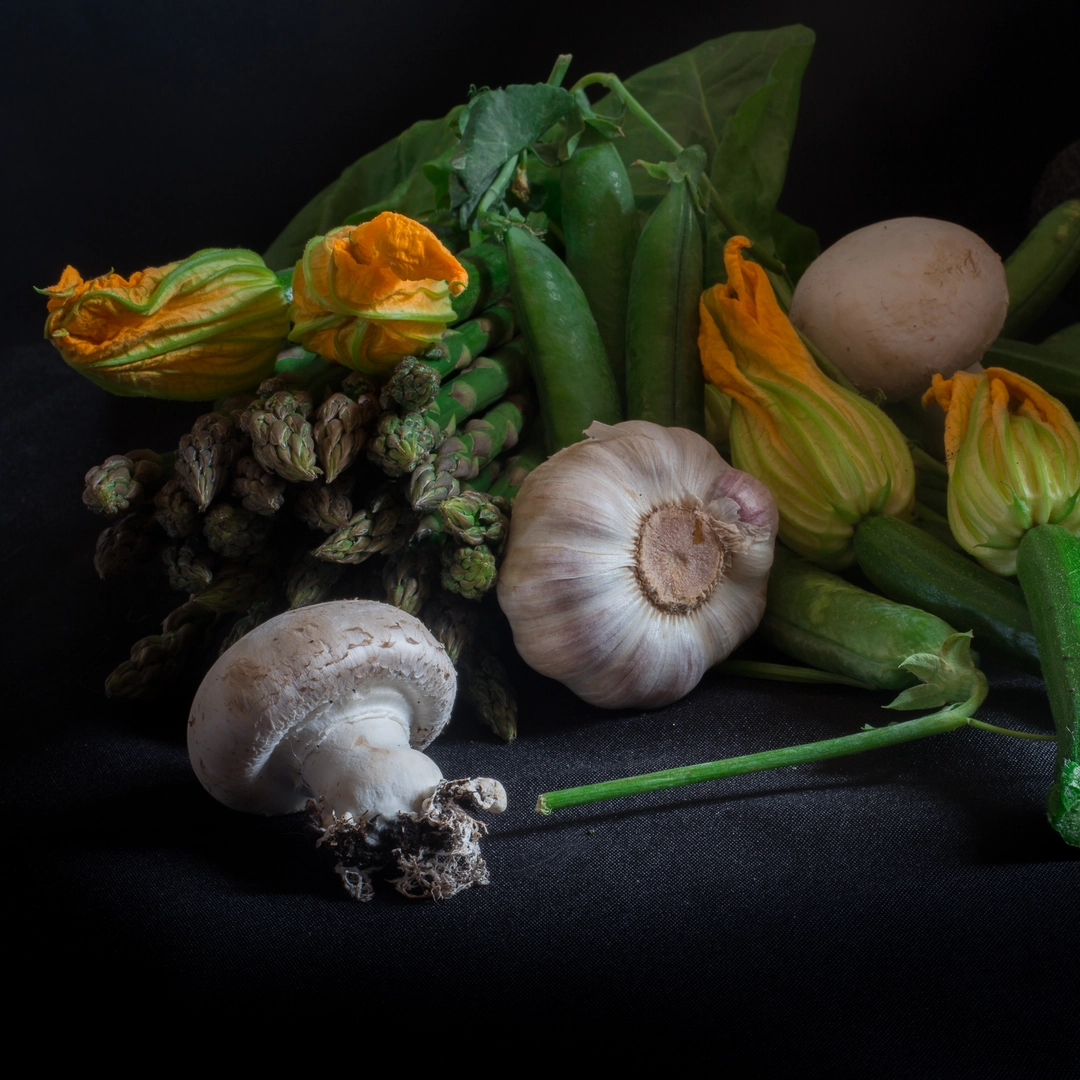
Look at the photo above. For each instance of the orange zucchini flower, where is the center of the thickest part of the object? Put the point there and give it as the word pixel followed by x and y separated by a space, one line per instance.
pixel 367 295
pixel 202 328
pixel 829 457
pixel 1013 453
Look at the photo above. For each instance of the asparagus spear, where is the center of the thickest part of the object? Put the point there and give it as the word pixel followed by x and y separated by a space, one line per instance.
pixel 509 481
pixel 404 441
pixel 326 507
pixel 129 541
pixel 468 571
pixel 189 570
pixel 281 436
pixel 205 456
pixel 486 684
pixel 233 531
pixel 340 428
pixel 259 490
pixel 461 457
pixel 123 482
pixel 175 511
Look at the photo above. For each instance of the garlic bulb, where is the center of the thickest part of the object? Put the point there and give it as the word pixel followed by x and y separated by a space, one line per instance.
pixel 637 559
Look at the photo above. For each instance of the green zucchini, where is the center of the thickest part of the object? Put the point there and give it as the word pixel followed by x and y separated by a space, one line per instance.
pixel 1048 564
pixel 1054 365
pixel 910 566
pixel 826 622
pixel 1041 266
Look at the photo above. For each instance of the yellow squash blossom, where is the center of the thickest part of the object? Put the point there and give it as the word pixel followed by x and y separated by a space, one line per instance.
pixel 367 295
pixel 202 328
pixel 1013 453
pixel 829 457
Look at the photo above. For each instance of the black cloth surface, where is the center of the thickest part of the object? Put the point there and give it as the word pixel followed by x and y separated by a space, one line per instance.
pixel 908 912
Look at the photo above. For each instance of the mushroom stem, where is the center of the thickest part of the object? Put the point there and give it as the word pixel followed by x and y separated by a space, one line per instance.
pixel 363 764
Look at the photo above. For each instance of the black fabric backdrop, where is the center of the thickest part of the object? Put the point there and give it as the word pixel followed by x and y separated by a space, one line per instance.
pixel 909 912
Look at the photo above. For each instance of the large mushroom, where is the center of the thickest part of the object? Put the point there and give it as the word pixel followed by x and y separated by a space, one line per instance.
pixel 328 708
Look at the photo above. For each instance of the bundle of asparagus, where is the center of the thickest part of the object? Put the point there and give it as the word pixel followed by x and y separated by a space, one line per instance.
pixel 287 497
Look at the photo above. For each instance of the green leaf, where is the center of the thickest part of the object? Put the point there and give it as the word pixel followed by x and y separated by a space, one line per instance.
pixel 796 245
pixel 689 165
pixel 391 177
pixel 751 160
pixel 947 677
pixel 737 97
pixel 501 124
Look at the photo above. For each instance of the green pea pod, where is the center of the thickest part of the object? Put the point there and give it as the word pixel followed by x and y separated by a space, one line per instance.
pixel 664 382
pixel 1041 266
pixel 567 358
pixel 600 224
pixel 826 622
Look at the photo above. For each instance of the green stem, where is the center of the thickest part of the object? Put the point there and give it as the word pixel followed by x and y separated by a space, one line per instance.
pixel 874 739
pixel 558 72
pixel 827 366
pixel 1012 731
pixel 760 669
pixel 637 110
pixel 925 513
pixel 502 181
pixel 614 83
pixel 556 231
pixel 925 463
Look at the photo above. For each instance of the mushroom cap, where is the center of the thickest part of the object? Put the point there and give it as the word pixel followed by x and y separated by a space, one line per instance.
pixel 287 685
pixel 893 303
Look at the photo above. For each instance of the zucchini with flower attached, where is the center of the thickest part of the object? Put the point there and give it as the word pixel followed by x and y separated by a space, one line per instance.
pixel 1014 503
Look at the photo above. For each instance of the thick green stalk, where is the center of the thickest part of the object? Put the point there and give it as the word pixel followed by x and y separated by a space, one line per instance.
pixel 558 72
pixel 874 739
pixel 480 385
pixel 488 279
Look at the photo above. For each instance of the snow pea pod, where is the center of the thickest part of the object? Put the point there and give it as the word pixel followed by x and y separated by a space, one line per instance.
pixel 567 358
pixel 664 382
pixel 600 224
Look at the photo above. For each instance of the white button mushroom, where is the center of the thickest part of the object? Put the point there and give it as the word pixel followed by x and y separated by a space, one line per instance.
pixel 328 708
pixel 894 303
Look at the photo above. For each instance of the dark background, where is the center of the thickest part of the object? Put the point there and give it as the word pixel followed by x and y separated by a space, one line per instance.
pixel 910 912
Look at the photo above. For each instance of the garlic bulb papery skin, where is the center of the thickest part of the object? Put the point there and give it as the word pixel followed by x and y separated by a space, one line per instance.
pixel 636 560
